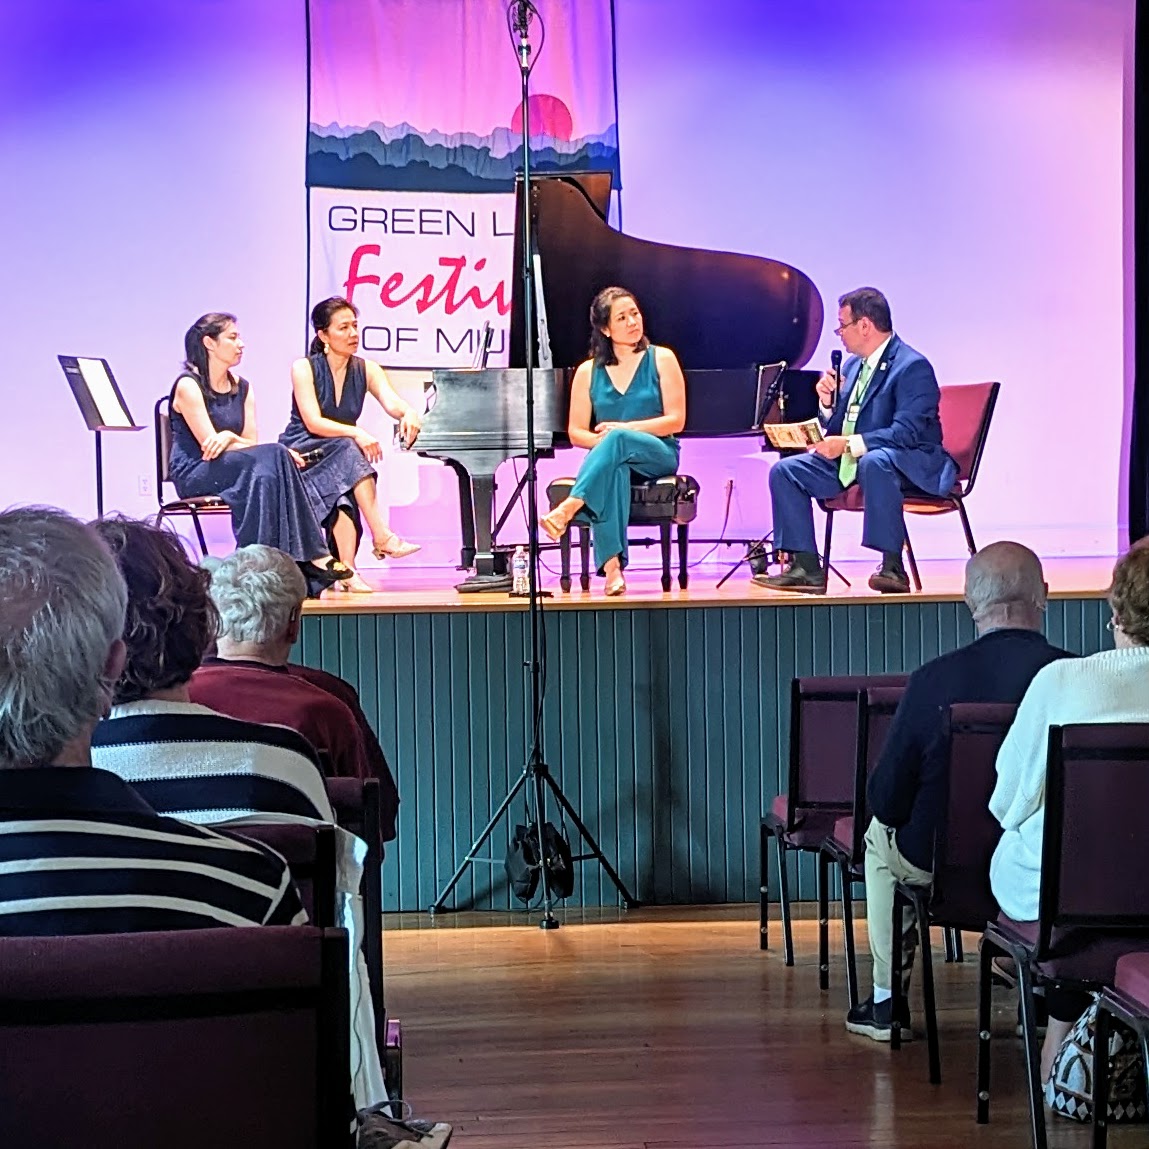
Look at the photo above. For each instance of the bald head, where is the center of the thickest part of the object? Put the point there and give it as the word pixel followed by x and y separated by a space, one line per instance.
pixel 1005 586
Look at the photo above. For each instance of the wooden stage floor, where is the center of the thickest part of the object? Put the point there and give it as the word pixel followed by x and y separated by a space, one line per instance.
pixel 670 1029
pixel 402 588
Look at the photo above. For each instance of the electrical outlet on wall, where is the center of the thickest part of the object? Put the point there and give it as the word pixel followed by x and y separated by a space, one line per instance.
pixel 146 485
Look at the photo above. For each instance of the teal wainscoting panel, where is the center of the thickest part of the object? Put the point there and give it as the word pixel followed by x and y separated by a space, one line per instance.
pixel 666 728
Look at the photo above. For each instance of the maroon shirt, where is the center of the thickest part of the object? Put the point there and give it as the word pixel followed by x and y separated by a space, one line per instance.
pixel 376 760
pixel 257 692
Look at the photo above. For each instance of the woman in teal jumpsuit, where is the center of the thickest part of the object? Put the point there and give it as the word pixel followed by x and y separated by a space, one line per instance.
pixel 627 403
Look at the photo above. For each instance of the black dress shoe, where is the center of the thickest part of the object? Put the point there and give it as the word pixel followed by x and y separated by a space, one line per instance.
pixel 328 575
pixel 890 578
pixel 795 578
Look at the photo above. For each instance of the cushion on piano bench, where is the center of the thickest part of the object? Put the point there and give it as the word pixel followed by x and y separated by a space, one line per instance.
pixel 671 499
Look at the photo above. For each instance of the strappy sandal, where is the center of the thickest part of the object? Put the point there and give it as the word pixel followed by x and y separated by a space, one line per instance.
pixel 395 548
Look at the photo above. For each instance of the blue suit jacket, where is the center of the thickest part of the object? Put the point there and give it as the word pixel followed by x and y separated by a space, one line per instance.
pixel 900 414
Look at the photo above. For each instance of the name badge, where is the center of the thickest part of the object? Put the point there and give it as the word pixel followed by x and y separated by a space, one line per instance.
pixel 852 412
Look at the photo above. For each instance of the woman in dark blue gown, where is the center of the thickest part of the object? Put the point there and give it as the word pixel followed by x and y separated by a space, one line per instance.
pixel 215 452
pixel 328 391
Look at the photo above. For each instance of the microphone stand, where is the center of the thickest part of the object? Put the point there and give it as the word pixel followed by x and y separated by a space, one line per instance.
pixel 536 775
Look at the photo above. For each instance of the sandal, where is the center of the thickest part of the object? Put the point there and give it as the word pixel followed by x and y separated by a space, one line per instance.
pixel 554 527
pixel 395 548
pixel 356 584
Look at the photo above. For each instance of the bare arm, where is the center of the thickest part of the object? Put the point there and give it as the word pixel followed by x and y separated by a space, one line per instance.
pixel 188 401
pixel 673 387
pixel 578 421
pixel 410 422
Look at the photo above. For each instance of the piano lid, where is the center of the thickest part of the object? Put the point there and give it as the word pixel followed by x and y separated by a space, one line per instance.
pixel 715 309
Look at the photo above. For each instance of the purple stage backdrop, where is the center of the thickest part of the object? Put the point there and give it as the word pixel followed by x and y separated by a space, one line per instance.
pixel 973 159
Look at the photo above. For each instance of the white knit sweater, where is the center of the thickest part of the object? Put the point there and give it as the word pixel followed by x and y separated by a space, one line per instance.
pixel 1112 686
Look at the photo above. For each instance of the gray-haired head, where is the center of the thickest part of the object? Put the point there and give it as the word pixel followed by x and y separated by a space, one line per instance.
pixel 258 592
pixel 62 605
pixel 1005 586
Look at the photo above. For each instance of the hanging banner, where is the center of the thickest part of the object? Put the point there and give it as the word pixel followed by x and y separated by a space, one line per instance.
pixel 427 270
pixel 413 144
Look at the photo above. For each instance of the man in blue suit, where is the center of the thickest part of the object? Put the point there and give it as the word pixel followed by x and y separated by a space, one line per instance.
pixel 882 432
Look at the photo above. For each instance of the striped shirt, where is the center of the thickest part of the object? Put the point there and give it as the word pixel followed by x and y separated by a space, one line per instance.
pixel 193 763
pixel 81 852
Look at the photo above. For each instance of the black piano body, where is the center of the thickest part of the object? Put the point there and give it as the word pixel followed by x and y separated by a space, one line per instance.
pixel 723 314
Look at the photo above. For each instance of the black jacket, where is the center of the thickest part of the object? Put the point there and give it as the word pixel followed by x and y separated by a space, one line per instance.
pixel 909 785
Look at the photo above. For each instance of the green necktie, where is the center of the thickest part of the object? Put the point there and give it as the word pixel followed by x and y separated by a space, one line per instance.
pixel 847 464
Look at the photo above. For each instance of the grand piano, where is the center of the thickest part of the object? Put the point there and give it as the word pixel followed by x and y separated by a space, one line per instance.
pixel 723 314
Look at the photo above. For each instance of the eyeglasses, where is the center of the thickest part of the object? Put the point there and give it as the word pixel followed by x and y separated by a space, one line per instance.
pixel 842 327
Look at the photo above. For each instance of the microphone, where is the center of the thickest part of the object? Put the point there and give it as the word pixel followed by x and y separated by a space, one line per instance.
pixel 524 10
pixel 312 456
pixel 836 367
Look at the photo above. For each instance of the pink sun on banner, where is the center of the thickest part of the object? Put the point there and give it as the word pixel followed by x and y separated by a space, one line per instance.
pixel 549 117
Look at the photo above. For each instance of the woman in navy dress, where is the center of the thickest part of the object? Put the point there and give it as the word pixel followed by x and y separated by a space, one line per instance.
pixel 215 452
pixel 628 401
pixel 329 388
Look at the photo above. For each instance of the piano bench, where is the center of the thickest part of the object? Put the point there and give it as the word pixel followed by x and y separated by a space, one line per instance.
pixel 664 503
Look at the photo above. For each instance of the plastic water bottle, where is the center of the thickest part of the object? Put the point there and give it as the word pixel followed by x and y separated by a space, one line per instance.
pixel 520 572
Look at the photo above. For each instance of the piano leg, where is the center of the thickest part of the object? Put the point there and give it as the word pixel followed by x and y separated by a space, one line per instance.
pixel 490 567
pixel 466 515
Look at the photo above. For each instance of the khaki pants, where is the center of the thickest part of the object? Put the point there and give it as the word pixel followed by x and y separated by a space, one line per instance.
pixel 885 867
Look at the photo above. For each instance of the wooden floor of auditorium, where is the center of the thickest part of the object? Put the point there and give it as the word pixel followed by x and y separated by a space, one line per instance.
pixel 670 1029
pixel 403 588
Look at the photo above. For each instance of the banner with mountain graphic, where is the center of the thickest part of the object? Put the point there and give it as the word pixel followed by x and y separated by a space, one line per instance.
pixel 425 95
pixel 413 144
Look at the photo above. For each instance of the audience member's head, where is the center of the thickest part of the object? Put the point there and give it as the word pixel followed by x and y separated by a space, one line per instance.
pixel 171 620
pixel 1129 597
pixel 259 592
pixel 1005 587
pixel 62 604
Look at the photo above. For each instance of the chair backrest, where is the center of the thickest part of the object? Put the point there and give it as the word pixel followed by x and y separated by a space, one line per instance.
pixel 309 851
pixel 163 421
pixel 972 734
pixel 824 739
pixel 1096 817
pixel 965 411
pixel 181 1039
pixel 876 708
pixel 356 804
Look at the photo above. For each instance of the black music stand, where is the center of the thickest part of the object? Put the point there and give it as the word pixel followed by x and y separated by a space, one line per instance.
pixel 536 777
pixel 769 407
pixel 101 403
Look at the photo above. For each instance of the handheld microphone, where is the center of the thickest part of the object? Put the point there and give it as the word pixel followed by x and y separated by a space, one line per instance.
pixel 836 367
pixel 312 456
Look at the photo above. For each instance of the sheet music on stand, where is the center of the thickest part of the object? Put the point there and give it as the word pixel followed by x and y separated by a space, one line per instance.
pixel 102 405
